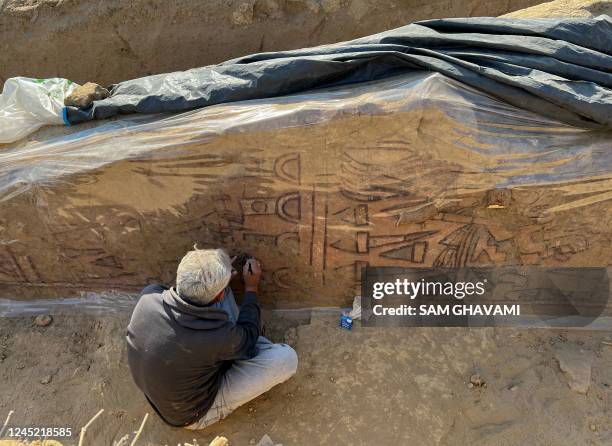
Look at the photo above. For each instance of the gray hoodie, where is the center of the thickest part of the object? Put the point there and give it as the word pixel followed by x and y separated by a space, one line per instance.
pixel 178 352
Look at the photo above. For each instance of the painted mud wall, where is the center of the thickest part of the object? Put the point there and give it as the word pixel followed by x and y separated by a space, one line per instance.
pixel 412 171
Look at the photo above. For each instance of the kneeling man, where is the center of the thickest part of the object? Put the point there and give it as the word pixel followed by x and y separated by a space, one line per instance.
pixel 193 353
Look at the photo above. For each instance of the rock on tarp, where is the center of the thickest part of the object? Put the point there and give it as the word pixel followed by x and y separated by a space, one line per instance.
pixel 414 170
pixel 558 68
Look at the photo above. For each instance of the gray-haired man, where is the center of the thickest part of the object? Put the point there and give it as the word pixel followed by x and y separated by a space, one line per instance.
pixel 191 351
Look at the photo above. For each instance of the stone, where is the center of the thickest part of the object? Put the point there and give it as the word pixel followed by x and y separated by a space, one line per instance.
pixel 43 320
pixel 577 368
pixel 46 380
pixel 476 380
pixel 266 441
pixel 84 95
pixel 219 441
pixel 243 15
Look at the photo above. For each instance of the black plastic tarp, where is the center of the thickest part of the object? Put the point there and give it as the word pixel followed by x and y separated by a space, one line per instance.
pixel 559 68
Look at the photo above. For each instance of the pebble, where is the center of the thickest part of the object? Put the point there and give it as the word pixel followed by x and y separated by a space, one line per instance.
pixel 43 320
pixel 577 368
pixel 46 380
pixel 252 441
pixel 593 427
pixel 84 95
pixel 476 380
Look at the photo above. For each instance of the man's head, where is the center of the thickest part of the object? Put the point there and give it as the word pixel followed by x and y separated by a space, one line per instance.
pixel 202 275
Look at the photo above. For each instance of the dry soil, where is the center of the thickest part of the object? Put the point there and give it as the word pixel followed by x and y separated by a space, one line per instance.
pixel 362 387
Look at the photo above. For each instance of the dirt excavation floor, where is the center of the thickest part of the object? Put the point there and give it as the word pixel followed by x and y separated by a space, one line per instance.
pixel 365 387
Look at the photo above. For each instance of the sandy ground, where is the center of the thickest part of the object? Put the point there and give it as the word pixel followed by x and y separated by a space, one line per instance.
pixel 565 8
pixel 107 41
pixel 365 387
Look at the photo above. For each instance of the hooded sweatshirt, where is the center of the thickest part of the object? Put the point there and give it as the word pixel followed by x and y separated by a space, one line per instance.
pixel 178 352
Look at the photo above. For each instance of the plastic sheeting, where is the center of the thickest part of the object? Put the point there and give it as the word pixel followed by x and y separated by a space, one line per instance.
pixel 27 104
pixel 412 170
pixel 559 68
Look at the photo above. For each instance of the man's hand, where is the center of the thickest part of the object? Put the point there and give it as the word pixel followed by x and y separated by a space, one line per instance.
pixel 251 274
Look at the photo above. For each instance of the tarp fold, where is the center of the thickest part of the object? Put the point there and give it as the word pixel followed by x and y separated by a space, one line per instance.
pixel 559 68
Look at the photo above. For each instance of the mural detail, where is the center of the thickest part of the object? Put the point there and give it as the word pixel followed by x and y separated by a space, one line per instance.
pixel 315 204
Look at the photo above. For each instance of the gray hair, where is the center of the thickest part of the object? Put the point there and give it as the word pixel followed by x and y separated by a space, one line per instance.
pixel 202 274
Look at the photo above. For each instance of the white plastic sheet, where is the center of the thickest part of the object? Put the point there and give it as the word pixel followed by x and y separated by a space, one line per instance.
pixel 27 104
